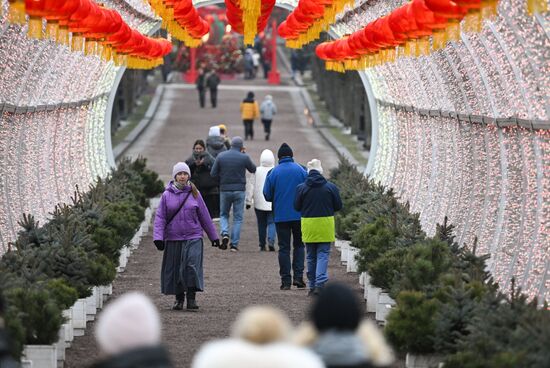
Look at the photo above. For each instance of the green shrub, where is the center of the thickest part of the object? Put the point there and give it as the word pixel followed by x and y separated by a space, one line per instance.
pixel 424 263
pixel 410 325
pixel 38 313
pixel 386 268
pixel 64 295
pixel 373 240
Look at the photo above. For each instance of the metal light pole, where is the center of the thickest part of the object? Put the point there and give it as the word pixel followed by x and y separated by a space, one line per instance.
pixel 273 77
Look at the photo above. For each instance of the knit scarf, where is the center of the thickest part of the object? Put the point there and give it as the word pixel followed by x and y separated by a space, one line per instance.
pixel 178 185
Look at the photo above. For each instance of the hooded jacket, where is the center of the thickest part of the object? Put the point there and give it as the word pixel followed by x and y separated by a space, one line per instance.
pixel 280 188
pixel 215 143
pixel 255 186
pixel 317 199
pixel 230 167
pixel 268 109
pixel 189 222
pixel 249 109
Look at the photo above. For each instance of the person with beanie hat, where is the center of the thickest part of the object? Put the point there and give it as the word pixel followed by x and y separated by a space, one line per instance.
pixel 268 109
pixel 262 208
pixel 337 335
pixel 215 143
pixel 317 199
pixel 249 112
pixel 280 189
pixel 180 220
pixel 128 333
pixel 230 167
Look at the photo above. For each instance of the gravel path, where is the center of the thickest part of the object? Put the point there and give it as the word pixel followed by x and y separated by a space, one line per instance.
pixel 232 280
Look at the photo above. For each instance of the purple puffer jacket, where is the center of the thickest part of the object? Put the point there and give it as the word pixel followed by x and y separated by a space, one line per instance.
pixel 189 221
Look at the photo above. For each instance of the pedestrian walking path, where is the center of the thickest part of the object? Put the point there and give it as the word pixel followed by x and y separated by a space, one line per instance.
pixel 232 280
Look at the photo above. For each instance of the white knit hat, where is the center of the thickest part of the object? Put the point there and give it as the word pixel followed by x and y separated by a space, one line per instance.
pixel 314 165
pixel 130 322
pixel 214 131
pixel 180 167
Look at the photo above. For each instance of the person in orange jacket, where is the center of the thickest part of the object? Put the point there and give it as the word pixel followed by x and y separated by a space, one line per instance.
pixel 249 112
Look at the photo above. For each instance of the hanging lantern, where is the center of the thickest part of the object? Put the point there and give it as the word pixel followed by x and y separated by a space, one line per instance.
pixel 36 10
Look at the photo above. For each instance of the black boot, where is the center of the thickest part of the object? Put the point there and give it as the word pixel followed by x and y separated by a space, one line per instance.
pixel 178 304
pixel 191 303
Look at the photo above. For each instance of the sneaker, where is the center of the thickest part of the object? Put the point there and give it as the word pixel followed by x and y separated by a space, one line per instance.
pixel 178 305
pixel 285 287
pixel 271 248
pixel 234 249
pixel 216 219
pixel 262 249
pixel 299 283
pixel 225 242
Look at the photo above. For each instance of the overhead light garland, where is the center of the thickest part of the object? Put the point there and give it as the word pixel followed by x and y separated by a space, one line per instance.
pixel 89 28
pixel 248 17
pixel 407 31
pixel 309 19
pixel 181 19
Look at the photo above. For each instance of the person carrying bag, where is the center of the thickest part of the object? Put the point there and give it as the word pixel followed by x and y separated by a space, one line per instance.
pixel 180 221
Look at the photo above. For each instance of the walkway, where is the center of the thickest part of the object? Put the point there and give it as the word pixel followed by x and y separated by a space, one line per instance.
pixel 233 280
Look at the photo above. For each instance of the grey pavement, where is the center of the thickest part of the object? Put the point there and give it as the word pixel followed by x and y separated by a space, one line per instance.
pixel 232 280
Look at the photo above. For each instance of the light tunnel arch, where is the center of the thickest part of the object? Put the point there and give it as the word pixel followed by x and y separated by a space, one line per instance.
pixel 462 133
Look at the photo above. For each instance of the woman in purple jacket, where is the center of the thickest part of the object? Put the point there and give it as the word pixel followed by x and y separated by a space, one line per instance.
pixel 179 223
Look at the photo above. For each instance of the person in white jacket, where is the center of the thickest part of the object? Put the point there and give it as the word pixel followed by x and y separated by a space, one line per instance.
pixel 255 197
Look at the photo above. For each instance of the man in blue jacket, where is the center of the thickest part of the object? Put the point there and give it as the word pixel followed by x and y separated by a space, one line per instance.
pixel 230 166
pixel 280 188
pixel 317 199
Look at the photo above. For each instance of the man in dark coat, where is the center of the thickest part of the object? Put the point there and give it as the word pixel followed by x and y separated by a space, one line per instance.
pixel 280 188
pixel 201 86
pixel 212 82
pixel 231 166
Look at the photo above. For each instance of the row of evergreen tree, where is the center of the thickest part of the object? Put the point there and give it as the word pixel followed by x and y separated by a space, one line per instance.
pixel 50 266
pixel 447 303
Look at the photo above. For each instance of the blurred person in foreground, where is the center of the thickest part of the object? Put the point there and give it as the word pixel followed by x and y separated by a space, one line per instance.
pixel 259 339
pixel 128 333
pixel 337 335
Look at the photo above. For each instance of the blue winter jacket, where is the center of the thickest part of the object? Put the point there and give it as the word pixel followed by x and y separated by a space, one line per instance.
pixel 280 188
pixel 230 166
pixel 317 199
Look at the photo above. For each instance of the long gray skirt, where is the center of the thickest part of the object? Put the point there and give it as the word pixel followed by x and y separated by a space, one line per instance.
pixel 182 266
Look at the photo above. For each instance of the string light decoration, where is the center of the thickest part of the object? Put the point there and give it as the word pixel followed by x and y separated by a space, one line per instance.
pixel 479 106
pixel 53 104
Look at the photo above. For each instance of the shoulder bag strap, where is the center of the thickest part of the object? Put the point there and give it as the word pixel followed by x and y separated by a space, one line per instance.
pixel 179 209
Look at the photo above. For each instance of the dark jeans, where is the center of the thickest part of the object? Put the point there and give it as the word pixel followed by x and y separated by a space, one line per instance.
pixel 284 232
pixel 266 226
pixel 214 96
pixel 248 129
pixel 202 96
pixel 212 202
pixel 267 127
